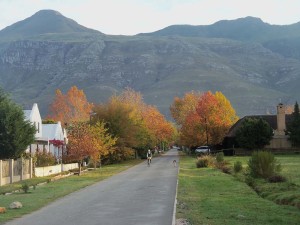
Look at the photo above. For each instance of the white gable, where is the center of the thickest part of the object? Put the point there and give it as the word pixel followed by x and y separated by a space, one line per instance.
pixel 53 131
pixel 34 117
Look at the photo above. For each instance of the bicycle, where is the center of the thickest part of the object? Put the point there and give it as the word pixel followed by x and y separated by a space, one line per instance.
pixel 149 160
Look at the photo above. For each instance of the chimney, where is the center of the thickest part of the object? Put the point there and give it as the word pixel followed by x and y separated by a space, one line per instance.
pixel 281 119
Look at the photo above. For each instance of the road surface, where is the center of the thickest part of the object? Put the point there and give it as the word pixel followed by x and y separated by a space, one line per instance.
pixel 141 195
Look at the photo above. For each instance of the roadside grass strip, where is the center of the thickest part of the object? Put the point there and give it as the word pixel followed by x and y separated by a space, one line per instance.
pixel 208 196
pixel 48 192
pixel 283 193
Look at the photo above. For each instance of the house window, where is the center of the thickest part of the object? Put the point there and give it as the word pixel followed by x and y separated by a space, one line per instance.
pixel 37 127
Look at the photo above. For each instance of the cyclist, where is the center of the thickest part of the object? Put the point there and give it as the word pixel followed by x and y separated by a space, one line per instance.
pixel 149 156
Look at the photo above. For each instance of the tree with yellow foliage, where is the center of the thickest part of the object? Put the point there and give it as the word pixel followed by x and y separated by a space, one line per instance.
pixel 86 141
pixel 103 142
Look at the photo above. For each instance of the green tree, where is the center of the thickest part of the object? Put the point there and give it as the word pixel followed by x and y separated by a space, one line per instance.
pixel 254 133
pixel 293 128
pixel 16 134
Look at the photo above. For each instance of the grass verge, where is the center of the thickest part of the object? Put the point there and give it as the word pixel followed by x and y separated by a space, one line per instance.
pixel 44 194
pixel 283 193
pixel 208 196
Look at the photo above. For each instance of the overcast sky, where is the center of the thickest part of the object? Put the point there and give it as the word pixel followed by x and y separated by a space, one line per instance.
pixel 129 17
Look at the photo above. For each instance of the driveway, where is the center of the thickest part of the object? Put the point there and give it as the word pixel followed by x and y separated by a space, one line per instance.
pixel 140 195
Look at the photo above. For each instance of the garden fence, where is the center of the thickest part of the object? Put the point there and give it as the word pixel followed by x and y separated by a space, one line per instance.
pixel 15 170
pixel 12 171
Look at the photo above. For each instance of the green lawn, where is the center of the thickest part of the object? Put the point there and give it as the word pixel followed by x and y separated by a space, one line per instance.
pixel 290 165
pixel 49 192
pixel 208 196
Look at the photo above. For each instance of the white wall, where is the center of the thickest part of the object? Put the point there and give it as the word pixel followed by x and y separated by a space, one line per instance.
pixel 49 170
pixel 36 119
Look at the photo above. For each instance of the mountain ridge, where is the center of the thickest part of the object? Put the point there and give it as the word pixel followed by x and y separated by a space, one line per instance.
pixel 253 74
pixel 243 29
pixel 43 22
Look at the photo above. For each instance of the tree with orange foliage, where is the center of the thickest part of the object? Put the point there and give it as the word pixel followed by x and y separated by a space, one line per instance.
pixel 158 127
pixel 80 143
pixel 210 117
pixel 209 122
pixel 70 107
pixel 136 125
pixel 192 133
pixel 182 107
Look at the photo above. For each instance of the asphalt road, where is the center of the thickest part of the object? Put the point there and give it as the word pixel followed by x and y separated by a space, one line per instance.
pixel 141 195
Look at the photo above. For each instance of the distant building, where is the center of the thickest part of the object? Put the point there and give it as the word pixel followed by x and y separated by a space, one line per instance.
pixel 44 133
pixel 278 124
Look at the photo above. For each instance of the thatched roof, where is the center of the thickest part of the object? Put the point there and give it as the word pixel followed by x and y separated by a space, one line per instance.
pixel 270 119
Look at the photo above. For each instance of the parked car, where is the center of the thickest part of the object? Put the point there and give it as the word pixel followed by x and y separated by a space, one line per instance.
pixel 202 150
pixel 176 147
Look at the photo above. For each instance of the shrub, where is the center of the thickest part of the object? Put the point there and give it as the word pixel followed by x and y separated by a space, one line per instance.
pixel 250 181
pixel 44 159
pixel 276 179
pixel 25 187
pixel 238 167
pixel 92 164
pixel 220 157
pixel 263 164
pixel 204 161
pixel 225 169
pixel 223 166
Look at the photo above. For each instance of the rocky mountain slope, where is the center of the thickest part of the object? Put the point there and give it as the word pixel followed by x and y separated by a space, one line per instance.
pixel 243 58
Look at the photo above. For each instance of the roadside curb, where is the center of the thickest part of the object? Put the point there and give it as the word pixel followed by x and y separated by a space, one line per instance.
pixel 175 201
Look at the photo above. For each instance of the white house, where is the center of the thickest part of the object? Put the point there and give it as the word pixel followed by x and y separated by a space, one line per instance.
pixel 34 116
pixel 44 133
pixel 54 132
